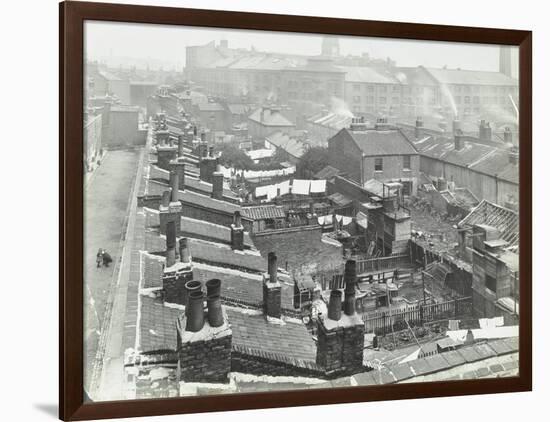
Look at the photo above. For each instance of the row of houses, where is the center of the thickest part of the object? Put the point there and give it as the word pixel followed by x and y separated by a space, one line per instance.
pixel 310 82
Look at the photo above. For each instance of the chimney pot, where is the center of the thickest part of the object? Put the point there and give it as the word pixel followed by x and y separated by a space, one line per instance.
pixel 189 287
pixel 213 287
pixel 165 201
pixel 195 316
pixel 272 267
pixel 217 184
pixel 174 184
pixel 215 313
pixel 180 146
pixel 184 251
pixel 170 243
pixel 335 305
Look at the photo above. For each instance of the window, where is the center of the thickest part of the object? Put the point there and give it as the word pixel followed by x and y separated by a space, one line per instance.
pixel 491 283
pixel 382 88
pixel 370 88
pixel 476 100
pixel 356 99
pixel 356 87
pixel 466 100
pixel 407 162
pixel 382 100
pixel 378 164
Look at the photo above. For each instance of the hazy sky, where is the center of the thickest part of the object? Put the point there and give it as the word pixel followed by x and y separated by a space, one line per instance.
pixel 166 44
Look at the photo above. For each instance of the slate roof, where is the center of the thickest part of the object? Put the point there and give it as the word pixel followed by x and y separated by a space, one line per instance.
pixel 262 212
pixel 210 107
pixel 242 289
pixel 200 229
pixel 270 118
pixel 333 120
pixel 485 159
pixel 157 325
pixel 299 250
pixel 327 173
pixel 501 218
pixel 198 185
pixel 288 143
pixel 503 350
pixel 212 253
pixel 471 77
pixel 339 199
pixel 194 198
pixel 375 142
pixel 363 74
pixel 291 340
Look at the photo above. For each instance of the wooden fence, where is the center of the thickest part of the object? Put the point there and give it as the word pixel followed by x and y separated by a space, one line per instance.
pixel 383 263
pixel 381 322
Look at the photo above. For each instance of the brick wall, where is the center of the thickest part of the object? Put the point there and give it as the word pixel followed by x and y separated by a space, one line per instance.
pixel 205 361
pixel 298 247
pixel 345 155
pixel 340 349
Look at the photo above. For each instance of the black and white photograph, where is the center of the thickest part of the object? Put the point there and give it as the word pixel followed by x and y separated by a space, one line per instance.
pixel 269 211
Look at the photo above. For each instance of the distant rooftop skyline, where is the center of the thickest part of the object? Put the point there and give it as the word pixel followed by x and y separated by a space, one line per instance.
pixel 164 46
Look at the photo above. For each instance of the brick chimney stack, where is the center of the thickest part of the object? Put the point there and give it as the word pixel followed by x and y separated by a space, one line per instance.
pixel 272 288
pixel 217 184
pixel 350 279
pixel 175 276
pixel 508 136
pixel 208 165
pixel 419 124
pixel 173 210
pixel 341 337
pixel 485 131
pixel 237 232
pixel 204 341
pixel 174 186
pixel 165 154
pixel 180 146
pixel 459 140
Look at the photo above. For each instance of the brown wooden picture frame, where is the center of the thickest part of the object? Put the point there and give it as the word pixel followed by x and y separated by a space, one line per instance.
pixel 71 23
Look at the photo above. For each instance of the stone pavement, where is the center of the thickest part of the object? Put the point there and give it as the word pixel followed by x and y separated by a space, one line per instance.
pixel 106 199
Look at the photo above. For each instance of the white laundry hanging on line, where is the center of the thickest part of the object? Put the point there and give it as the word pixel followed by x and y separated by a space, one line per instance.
pixel 300 187
pixel 318 186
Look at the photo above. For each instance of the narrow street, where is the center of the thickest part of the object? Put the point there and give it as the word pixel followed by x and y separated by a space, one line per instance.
pixel 107 199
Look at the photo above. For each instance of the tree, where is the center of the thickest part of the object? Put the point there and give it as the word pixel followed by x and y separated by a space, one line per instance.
pixel 231 156
pixel 313 161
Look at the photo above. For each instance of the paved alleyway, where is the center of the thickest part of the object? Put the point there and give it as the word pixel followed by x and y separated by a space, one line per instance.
pixel 106 199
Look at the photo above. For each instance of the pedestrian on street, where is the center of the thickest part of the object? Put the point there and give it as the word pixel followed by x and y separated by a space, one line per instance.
pixel 106 259
pixel 99 257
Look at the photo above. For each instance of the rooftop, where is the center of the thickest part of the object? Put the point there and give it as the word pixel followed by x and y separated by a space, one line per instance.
pixel 364 74
pixel 288 143
pixel 283 341
pixel 262 212
pixel 269 117
pixel 505 220
pixel 471 77
pixel 485 159
pixel 373 142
